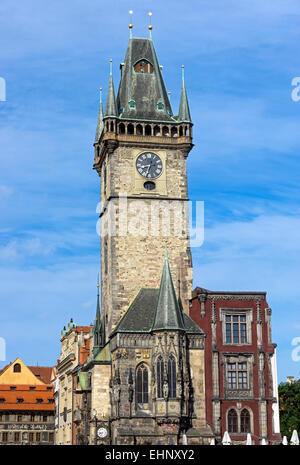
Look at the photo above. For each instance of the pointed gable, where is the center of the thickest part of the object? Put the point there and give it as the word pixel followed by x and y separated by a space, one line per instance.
pixel 19 373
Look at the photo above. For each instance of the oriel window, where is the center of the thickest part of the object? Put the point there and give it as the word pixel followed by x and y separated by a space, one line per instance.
pixel 142 396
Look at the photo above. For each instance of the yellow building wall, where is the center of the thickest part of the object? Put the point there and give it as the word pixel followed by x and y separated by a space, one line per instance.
pixel 24 377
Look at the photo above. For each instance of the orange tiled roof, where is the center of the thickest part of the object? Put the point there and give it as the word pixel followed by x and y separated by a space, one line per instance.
pixel 42 373
pixel 29 398
pixel 84 329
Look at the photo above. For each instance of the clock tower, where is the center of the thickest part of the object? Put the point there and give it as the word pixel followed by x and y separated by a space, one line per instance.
pixel 141 150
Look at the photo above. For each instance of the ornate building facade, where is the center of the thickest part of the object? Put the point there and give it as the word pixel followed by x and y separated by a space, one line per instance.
pixel 240 360
pixel 154 366
pixel 26 405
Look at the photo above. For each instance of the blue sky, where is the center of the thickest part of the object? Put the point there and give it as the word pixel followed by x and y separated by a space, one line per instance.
pixel 240 58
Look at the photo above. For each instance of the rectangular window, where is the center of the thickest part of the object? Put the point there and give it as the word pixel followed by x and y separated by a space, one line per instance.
pixel 19 418
pixel 38 437
pixel 236 329
pixel 32 417
pixel 4 437
pixel 237 375
pixel 30 437
pixel 51 437
pixel 17 437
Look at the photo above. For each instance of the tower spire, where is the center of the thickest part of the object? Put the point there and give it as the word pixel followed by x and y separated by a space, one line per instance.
pixel 184 109
pixel 168 314
pixel 131 24
pixel 100 119
pixel 150 25
pixel 99 335
pixel 111 107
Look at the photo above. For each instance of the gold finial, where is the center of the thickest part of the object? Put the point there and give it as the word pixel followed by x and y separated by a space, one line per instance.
pixel 150 25
pixel 130 25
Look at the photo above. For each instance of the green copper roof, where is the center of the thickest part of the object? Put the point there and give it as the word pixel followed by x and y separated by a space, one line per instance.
pixel 168 314
pixel 104 354
pixel 100 120
pixel 184 110
pixel 83 380
pixel 146 90
pixel 111 107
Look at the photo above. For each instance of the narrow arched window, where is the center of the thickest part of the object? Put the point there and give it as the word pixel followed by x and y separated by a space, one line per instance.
pixel 245 421
pixel 104 176
pixel 17 368
pixel 232 421
pixel 160 377
pixel 143 66
pixel 142 384
pixel 105 258
pixel 172 377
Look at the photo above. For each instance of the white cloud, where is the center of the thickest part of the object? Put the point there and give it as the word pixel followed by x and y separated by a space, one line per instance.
pixel 260 254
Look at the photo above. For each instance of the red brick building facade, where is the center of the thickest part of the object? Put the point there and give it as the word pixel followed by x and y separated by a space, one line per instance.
pixel 240 364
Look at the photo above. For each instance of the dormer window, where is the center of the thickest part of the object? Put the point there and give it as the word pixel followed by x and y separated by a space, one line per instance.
pixel 17 368
pixel 132 104
pixel 143 66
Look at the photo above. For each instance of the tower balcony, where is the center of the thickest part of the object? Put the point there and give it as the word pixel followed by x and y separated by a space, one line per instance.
pixel 148 134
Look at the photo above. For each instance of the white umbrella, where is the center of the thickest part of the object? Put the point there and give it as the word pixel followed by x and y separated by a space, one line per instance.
pixel 184 440
pixel 249 440
pixel 263 442
pixel 284 441
pixel 294 439
pixel 226 441
pixel 212 442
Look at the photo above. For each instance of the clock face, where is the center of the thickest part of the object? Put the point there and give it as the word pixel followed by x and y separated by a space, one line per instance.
pixel 149 165
pixel 102 432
